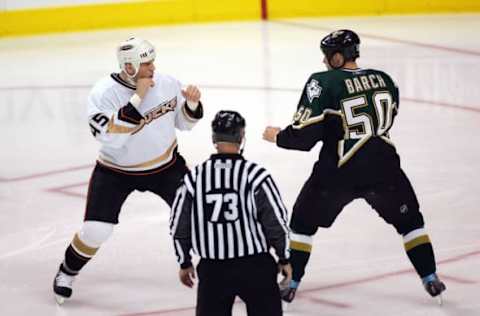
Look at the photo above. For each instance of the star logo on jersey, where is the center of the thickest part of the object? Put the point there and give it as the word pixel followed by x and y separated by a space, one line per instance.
pixel 313 90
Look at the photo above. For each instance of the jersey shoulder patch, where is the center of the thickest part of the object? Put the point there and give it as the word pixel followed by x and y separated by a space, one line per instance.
pixel 313 90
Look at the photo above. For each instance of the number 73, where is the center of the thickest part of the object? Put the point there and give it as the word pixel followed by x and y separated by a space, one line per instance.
pixel 217 199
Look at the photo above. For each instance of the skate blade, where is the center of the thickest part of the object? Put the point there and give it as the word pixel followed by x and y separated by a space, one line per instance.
pixel 439 299
pixel 59 299
pixel 285 306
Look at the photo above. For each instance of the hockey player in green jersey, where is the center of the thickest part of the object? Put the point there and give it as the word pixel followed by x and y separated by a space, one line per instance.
pixel 351 110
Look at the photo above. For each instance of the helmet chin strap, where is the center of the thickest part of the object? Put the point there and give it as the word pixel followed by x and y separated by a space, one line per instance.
pixel 131 78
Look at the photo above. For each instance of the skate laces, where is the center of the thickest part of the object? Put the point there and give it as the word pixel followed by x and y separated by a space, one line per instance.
pixel 64 280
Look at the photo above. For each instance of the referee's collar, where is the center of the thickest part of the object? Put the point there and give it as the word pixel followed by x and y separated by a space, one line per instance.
pixel 226 156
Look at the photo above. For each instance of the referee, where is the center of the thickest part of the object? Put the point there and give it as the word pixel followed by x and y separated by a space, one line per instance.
pixel 229 212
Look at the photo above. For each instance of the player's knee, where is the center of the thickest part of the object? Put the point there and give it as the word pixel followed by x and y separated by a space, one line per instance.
pixel 299 226
pixel 326 223
pixel 307 219
pixel 409 223
pixel 95 233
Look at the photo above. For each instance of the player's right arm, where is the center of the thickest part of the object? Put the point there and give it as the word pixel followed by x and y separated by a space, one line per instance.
pixel 110 123
pixel 310 119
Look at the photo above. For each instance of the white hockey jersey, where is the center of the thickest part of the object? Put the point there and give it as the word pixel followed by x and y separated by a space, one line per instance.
pixel 143 138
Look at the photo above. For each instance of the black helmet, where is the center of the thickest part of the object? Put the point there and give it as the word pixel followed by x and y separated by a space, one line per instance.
pixel 228 126
pixel 345 42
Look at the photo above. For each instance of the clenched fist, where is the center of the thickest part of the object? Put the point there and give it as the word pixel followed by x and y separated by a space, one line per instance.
pixel 192 95
pixel 270 133
pixel 143 84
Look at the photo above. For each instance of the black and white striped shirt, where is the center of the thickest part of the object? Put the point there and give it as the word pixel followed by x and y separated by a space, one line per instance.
pixel 228 208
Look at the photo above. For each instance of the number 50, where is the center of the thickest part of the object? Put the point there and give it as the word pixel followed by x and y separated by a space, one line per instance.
pixel 384 107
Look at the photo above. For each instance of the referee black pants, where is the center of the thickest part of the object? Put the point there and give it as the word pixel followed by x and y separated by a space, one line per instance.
pixel 252 278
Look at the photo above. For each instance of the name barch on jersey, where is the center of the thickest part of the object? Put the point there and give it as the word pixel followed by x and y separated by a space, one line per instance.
pixel 364 83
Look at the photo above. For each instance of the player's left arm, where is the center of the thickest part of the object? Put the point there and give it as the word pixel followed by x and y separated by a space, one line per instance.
pixel 190 109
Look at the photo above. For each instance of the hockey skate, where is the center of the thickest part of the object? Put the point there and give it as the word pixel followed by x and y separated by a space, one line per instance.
pixel 288 291
pixel 434 287
pixel 62 286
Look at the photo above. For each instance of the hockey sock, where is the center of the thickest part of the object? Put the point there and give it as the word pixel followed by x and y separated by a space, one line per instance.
pixel 420 252
pixel 300 249
pixel 76 256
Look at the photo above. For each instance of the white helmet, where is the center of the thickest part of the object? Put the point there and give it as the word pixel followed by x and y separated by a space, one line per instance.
pixel 134 51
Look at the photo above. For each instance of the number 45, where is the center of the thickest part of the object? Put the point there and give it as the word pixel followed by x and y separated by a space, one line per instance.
pixel 231 199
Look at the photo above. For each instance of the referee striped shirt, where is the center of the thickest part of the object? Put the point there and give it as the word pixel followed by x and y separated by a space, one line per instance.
pixel 228 208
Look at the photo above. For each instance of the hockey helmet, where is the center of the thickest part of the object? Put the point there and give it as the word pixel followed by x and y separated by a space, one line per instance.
pixel 228 126
pixel 345 42
pixel 134 51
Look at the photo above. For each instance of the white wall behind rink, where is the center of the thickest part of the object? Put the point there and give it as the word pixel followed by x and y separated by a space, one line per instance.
pixel 6 5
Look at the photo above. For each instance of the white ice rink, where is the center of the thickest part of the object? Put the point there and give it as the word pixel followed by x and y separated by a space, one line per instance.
pixel 357 268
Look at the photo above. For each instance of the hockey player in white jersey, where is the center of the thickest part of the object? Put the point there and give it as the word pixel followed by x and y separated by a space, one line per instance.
pixel 133 114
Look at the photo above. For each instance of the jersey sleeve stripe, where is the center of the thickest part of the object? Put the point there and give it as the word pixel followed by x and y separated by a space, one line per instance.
pixel 179 251
pixel 275 205
pixel 129 114
pixel 177 209
pixel 277 195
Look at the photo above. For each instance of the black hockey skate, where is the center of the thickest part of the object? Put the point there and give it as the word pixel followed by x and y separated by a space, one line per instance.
pixel 62 286
pixel 287 293
pixel 434 286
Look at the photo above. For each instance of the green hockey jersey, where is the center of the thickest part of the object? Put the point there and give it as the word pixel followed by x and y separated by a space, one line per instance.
pixel 346 107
